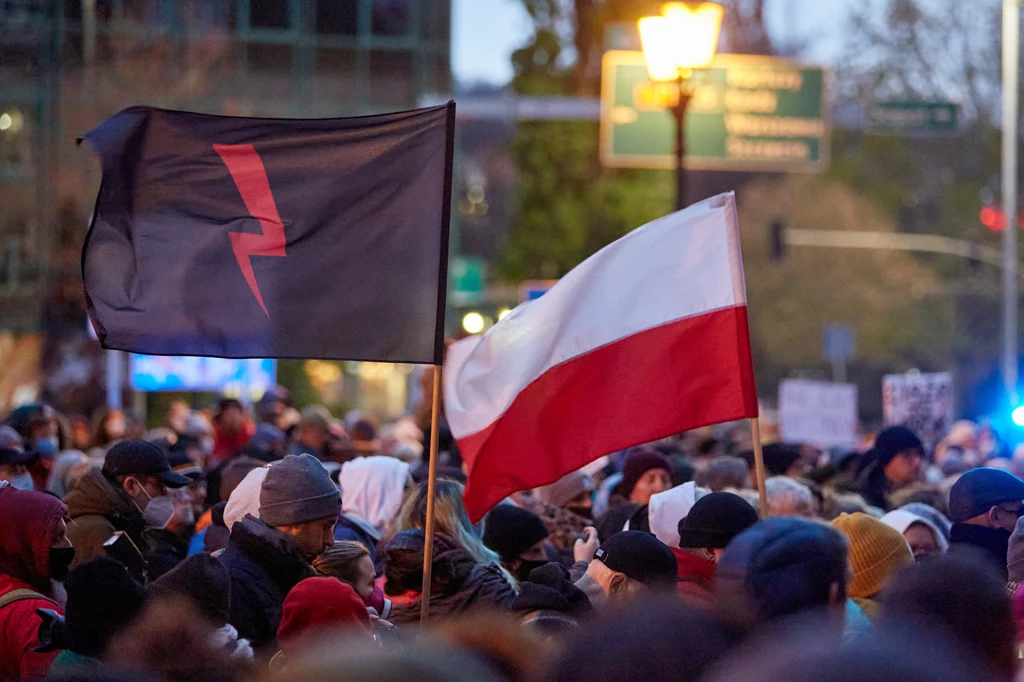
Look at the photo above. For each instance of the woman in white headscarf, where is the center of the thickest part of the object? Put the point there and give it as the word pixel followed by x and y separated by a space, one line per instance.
pixel 923 537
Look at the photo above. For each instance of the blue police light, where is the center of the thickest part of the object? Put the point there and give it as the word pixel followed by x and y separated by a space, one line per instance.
pixel 1018 416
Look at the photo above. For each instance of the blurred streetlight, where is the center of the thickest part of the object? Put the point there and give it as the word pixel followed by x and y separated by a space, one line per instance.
pixel 473 323
pixel 683 38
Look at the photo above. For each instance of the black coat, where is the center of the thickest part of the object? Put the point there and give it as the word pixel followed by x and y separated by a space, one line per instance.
pixel 164 551
pixel 473 586
pixel 265 565
pixel 992 543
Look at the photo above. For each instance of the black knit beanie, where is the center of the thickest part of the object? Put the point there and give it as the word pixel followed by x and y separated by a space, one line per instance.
pixel 510 531
pixel 102 600
pixel 715 520
pixel 203 580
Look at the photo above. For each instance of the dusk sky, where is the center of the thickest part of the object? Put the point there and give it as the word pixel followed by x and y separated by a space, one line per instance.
pixel 485 32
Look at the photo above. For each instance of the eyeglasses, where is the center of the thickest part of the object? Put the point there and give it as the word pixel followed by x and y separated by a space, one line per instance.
pixel 1018 510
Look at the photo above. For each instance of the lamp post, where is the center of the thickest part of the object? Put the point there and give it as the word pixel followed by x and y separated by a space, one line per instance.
pixel 683 38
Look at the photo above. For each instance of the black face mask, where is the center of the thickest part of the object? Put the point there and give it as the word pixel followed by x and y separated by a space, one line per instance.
pixel 60 562
pixel 525 566
pixel 582 512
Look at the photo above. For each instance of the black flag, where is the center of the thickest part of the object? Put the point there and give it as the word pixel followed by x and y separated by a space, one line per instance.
pixel 275 238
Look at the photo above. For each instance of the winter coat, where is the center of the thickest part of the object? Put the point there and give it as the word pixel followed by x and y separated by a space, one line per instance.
pixel 29 522
pixel 696 579
pixel 264 565
pixel 352 530
pixel 473 586
pixel 992 542
pixel 164 550
pixel 875 488
pixel 98 509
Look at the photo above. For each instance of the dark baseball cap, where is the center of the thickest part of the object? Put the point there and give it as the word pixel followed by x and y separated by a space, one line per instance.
pixel 141 458
pixel 979 490
pixel 12 448
pixel 641 557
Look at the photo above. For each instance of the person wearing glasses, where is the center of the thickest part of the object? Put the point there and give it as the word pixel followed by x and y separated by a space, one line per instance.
pixel 984 505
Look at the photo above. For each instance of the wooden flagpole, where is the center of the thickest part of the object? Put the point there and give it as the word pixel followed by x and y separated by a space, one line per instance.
pixel 755 432
pixel 428 542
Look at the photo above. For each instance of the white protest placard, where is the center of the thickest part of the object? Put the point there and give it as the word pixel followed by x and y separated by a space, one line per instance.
pixel 921 402
pixel 819 413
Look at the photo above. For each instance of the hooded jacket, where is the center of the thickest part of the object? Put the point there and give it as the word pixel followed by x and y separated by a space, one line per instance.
pixel 372 489
pixel 28 524
pixel 264 564
pixel 98 509
pixel 472 585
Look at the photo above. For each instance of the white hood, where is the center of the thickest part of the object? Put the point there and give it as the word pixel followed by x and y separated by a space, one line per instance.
pixel 902 520
pixel 245 498
pixel 667 509
pixel 372 488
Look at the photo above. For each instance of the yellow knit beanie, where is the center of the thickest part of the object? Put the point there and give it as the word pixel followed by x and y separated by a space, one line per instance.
pixel 876 552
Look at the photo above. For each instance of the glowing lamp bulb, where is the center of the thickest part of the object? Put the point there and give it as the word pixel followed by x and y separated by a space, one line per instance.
pixel 473 323
pixel 1018 416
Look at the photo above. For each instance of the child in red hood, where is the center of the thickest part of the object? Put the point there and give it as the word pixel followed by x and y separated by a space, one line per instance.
pixel 34 551
pixel 317 605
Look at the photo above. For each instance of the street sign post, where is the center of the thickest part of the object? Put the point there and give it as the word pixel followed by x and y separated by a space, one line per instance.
pixel 748 113
pixel 467 278
pixel 533 289
pixel 837 347
pixel 913 117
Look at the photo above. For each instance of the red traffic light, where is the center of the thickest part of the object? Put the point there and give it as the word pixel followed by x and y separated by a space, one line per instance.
pixel 993 219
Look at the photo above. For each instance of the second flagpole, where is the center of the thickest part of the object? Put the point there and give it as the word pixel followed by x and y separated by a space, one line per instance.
pixel 428 531
pixel 755 433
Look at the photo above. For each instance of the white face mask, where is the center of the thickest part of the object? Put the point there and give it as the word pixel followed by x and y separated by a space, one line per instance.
pixel 159 510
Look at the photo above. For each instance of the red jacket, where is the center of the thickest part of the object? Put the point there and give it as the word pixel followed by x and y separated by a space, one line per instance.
pixel 227 444
pixel 28 529
pixel 696 579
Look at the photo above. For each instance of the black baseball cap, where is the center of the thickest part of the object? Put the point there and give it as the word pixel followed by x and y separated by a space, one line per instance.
pixel 12 449
pixel 980 489
pixel 641 557
pixel 141 458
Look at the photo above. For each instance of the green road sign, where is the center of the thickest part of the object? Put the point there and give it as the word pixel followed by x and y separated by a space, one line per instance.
pixel 913 117
pixel 748 113
pixel 467 276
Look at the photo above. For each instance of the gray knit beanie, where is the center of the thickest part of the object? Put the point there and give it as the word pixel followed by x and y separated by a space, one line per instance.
pixel 298 490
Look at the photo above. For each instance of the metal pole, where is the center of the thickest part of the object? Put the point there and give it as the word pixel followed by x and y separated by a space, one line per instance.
pixel 115 380
pixel 839 369
pixel 1011 56
pixel 679 111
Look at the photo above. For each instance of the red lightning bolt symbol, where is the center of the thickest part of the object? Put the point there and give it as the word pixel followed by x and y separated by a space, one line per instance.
pixel 250 177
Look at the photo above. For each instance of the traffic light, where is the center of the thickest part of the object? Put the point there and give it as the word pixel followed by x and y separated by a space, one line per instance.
pixel 992 218
pixel 778 240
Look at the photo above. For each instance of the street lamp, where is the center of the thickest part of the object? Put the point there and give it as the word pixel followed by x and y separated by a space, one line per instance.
pixel 682 39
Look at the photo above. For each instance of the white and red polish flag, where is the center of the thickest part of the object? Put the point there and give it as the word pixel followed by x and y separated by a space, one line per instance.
pixel 646 338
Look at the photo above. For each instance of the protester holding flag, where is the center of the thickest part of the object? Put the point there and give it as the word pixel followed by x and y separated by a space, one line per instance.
pixel 459 583
pixel 627 565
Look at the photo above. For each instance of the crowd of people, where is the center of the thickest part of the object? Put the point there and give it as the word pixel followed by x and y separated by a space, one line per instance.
pixel 268 543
